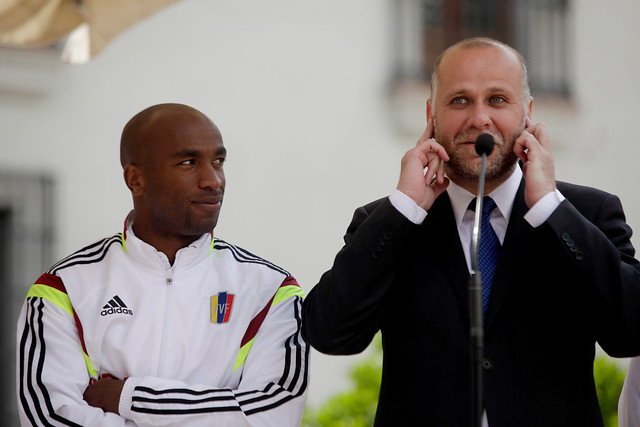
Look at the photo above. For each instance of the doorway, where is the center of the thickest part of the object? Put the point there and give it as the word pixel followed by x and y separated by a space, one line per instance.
pixel 26 248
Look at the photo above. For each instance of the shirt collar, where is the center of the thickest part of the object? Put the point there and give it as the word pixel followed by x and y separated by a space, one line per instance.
pixel 504 196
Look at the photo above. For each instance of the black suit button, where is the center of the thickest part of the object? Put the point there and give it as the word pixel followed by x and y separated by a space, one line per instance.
pixel 382 244
pixel 487 364
pixel 378 251
pixel 579 255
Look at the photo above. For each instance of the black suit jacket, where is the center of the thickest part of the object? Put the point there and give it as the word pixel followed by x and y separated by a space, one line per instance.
pixel 557 290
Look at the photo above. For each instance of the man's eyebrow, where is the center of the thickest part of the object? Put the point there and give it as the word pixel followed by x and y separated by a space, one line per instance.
pixel 500 89
pixel 457 93
pixel 188 152
pixel 493 89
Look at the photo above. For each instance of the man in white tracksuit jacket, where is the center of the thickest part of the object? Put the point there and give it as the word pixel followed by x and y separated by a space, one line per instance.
pixel 163 324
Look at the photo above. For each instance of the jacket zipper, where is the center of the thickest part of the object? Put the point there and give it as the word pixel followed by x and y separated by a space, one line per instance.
pixel 167 318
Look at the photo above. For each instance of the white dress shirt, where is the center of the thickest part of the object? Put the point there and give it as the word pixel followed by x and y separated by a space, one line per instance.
pixel 460 198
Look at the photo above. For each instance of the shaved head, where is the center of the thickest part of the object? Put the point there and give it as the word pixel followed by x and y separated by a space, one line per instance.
pixel 136 136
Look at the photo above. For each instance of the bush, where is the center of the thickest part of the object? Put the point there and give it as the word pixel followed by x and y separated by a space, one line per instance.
pixel 609 376
pixel 357 407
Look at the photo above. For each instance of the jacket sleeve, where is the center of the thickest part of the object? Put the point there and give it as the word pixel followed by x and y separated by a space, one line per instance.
pixel 52 372
pixel 597 241
pixel 274 382
pixel 341 313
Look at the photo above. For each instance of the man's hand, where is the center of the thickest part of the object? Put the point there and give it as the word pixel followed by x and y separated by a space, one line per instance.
pixel 423 187
pixel 104 394
pixel 533 149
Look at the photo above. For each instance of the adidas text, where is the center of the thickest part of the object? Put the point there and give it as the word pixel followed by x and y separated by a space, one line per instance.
pixel 116 310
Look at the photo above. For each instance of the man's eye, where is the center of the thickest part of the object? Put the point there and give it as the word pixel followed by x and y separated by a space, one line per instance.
pixel 497 99
pixel 459 101
pixel 188 162
pixel 219 161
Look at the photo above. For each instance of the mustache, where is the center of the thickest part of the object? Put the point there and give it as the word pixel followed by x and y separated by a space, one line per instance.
pixel 473 137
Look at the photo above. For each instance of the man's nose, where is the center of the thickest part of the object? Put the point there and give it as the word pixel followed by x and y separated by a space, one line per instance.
pixel 480 116
pixel 210 176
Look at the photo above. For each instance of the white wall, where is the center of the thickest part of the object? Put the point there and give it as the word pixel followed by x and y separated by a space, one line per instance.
pixel 299 90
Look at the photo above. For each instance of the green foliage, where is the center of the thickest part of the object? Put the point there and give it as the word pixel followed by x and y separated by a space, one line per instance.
pixel 609 376
pixel 357 407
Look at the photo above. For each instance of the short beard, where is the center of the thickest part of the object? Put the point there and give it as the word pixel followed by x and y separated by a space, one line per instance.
pixel 498 168
pixel 459 169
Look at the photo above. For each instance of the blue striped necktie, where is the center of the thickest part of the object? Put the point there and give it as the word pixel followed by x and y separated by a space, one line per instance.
pixel 488 249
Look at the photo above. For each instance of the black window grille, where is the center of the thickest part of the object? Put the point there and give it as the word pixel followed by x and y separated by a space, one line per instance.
pixel 538 29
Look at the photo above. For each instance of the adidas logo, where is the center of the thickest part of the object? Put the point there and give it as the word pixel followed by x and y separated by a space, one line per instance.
pixel 115 306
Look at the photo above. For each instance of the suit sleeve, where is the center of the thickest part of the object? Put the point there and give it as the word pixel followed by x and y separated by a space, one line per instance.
pixel 341 313
pixel 52 372
pixel 272 391
pixel 596 239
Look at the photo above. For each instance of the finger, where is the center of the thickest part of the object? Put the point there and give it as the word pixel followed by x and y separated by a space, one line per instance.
pixel 538 130
pixel 540 133
pixel 428 132
pixel 435 171
pixel 425 136
pixel 521 147
pixel 438 188
pixel 529 147
pixel 431 148
pixel 440 175
pixel 430 128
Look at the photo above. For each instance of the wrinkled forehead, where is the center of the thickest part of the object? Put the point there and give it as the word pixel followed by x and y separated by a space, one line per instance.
pixel 475 67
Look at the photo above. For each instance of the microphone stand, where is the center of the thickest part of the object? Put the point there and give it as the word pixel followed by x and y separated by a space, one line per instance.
pixel 475 305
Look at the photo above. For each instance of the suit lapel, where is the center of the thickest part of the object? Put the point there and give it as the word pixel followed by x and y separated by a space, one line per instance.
pixel 517 235
pixel 448 249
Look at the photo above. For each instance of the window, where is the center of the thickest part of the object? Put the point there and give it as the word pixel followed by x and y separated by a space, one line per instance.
pixel 536 28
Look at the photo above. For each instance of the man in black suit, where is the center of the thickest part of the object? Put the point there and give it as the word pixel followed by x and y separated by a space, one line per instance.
pixel 566 276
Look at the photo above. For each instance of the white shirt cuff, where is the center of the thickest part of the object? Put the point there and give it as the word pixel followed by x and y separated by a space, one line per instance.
pixel 541 211
pixel 407 207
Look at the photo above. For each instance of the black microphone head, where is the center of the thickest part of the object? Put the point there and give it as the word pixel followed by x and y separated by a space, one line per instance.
pixel 484 144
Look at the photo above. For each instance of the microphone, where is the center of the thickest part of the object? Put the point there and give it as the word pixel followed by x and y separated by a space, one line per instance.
pixel 484 146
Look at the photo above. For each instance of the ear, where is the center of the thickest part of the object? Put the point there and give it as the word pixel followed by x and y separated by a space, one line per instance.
pixel 429 110
pixel 530 109
pixel 134 179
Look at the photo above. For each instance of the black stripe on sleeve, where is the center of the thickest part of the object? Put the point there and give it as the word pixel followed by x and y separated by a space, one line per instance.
pixel 23 345
pixel 34 328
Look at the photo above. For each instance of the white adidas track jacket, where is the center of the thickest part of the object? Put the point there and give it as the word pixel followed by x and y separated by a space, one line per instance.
pixel 212 340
